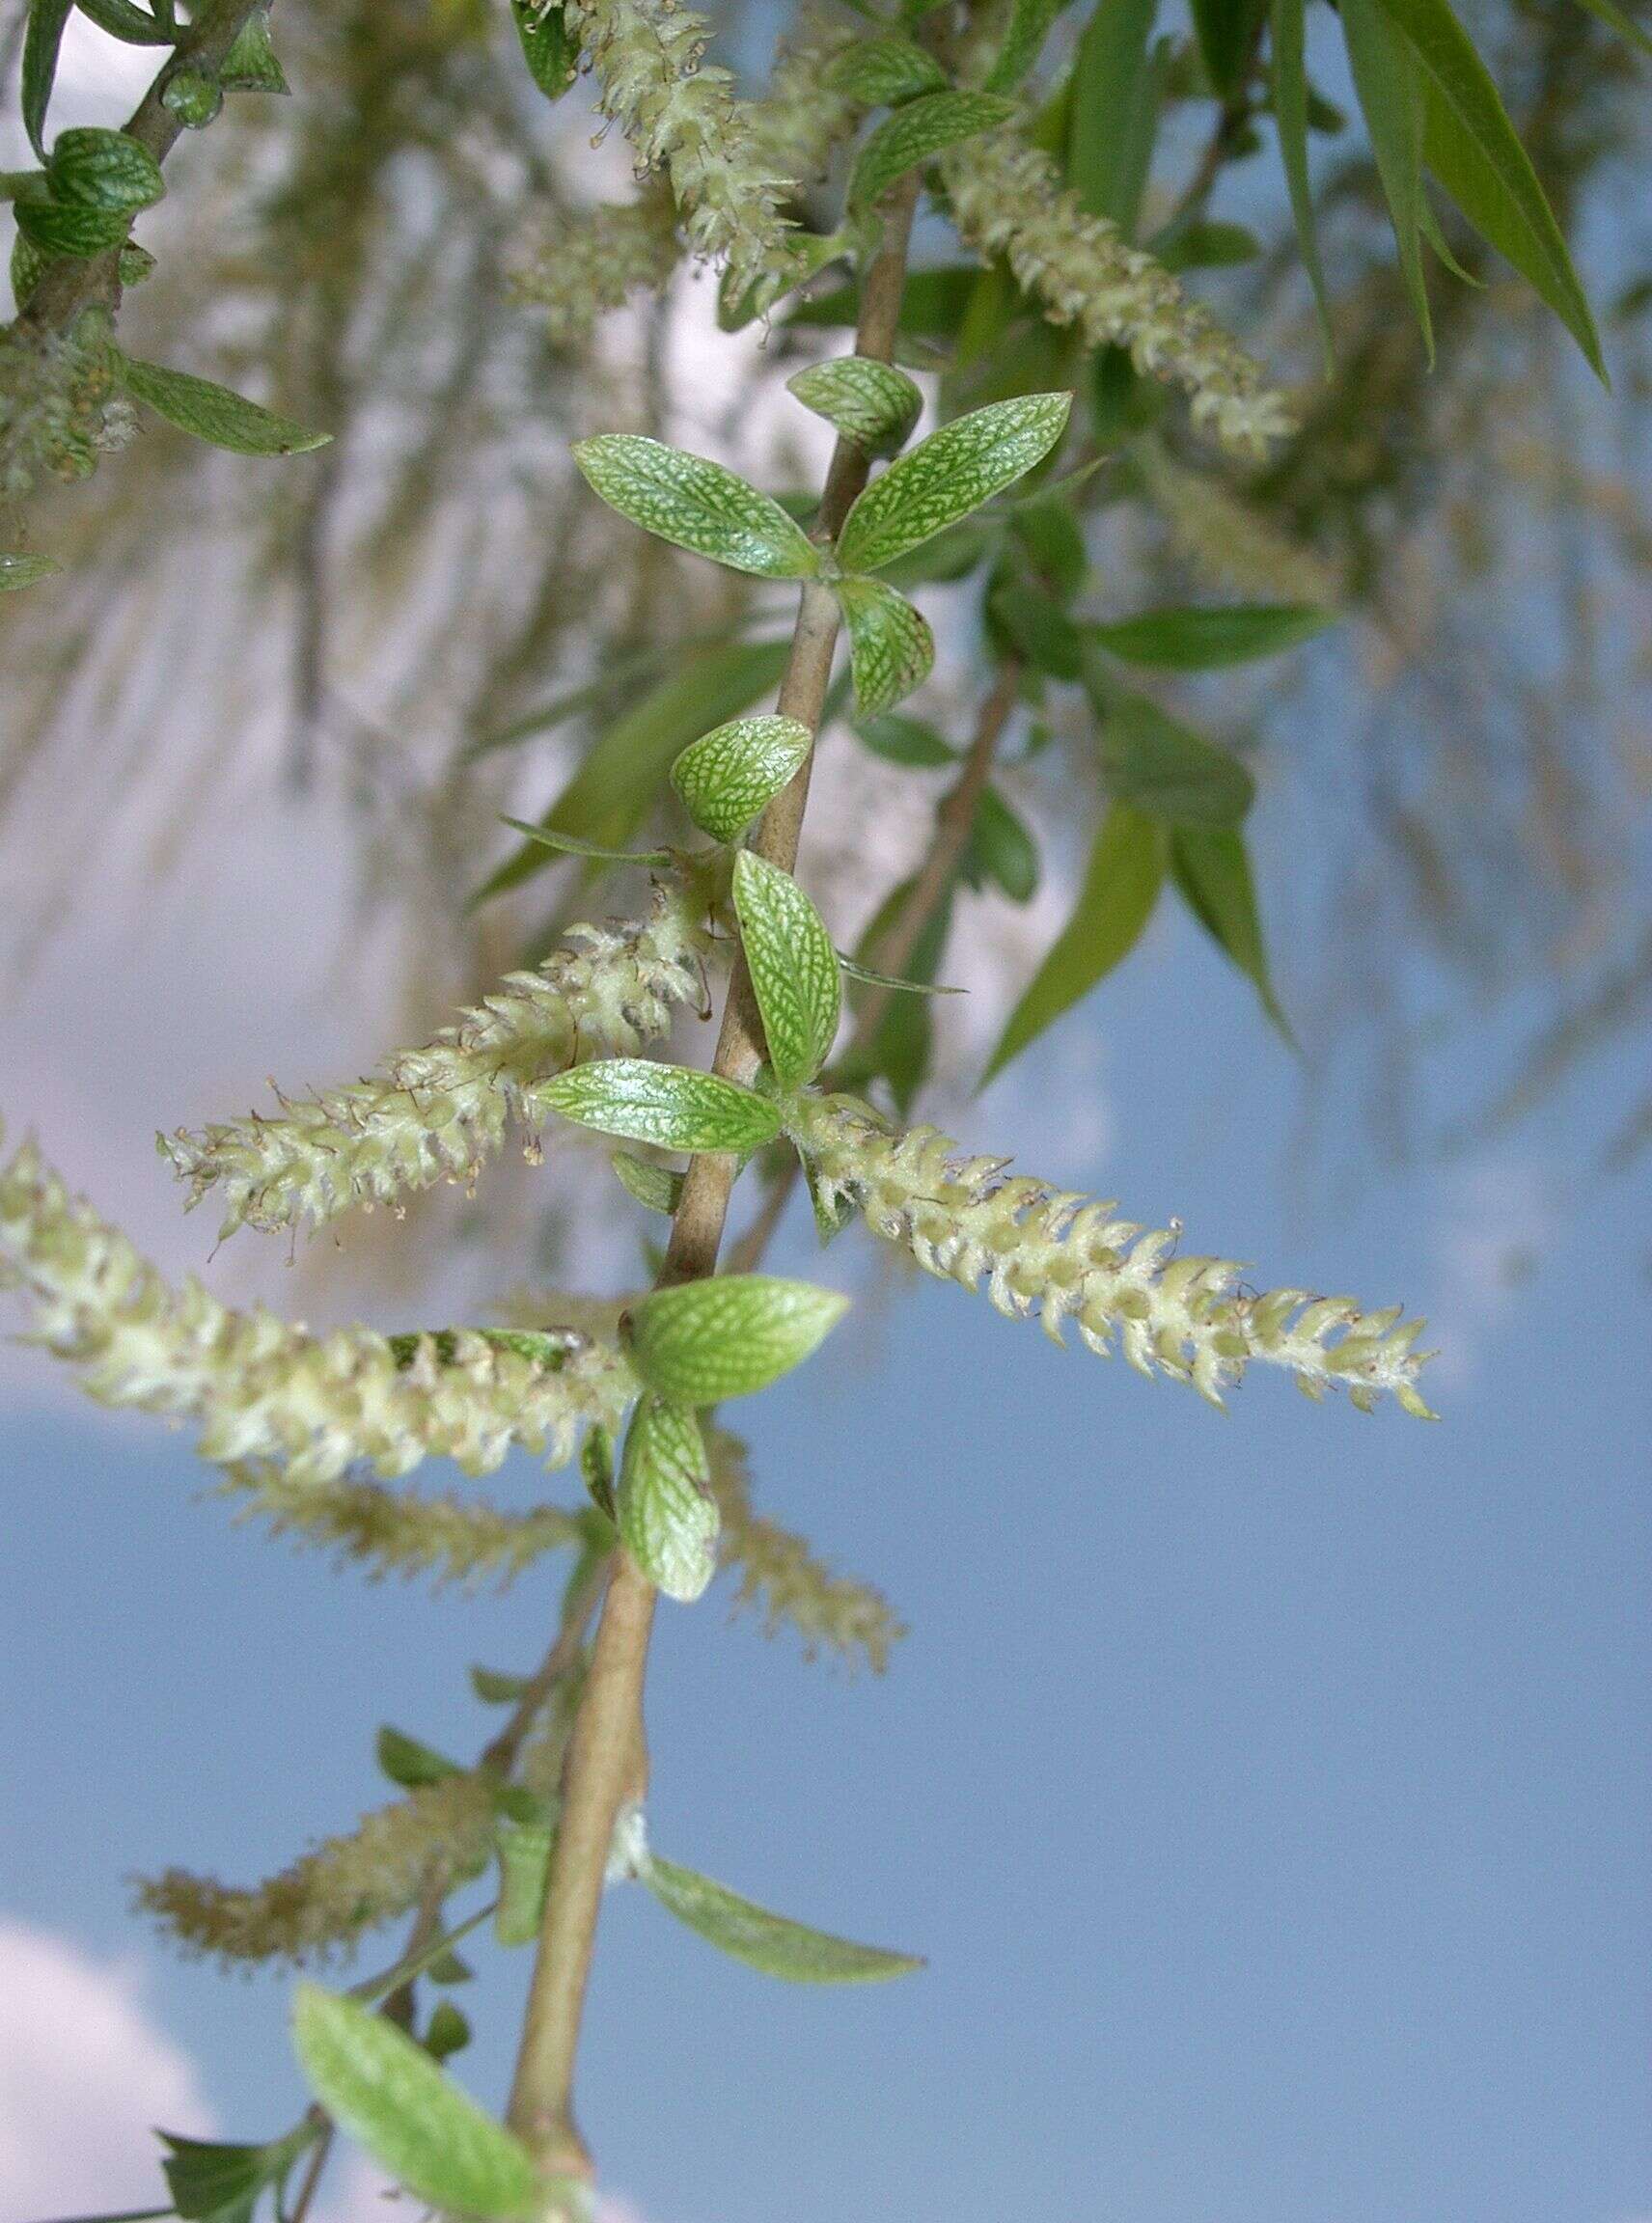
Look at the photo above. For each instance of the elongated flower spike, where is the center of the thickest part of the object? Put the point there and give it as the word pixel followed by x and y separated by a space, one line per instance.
pixel 1063 1256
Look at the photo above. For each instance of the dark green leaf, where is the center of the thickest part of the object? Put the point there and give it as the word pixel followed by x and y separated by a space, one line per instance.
pixel 1204 245
pixel 218 2179
pixel 496 1689
pixel 447 1967
pixel 765 1941
pixel 1227 39
pixel 1615 18
pixel 1169 771
pixel 1290 116
pixel 94 169
pixel 132 26
pixel 1114 110
pixel 446 2032
pixel 915 132
pixel 212 413
pixel 1120 887
pixel 1212 868
pixel 702 1342
pixel 696 504
pixel 1390 88
pixel 1053 539
pixel 1000 849
pixel 43 36
pixel 1189 639
pixel 407 1762
pixel 892 651
pixel 1037 629
pixel 548 46
pixel 673 1107
pixel 66 227
pixel 666 1512
pixel 194 97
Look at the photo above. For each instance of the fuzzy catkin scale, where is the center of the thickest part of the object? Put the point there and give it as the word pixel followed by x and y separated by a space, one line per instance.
pixel 1008 199
pixel 262 1391
pixel 1062 1256
pixel 439 1113
pixel 60 406
pixel 588 264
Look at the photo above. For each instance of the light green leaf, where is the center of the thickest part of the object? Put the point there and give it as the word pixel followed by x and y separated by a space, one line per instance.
pixel 68 228
pixel 1615 18
pixel 1114 110
pixel 702 1341
pixel 666 1515
pixel 549 47
pixel 251 65
pixel 946 476
pixel 1391 90
pixel 570 845
pixel 407 1762
pixel 1191 639
pixel 918 131
pixel 496 1689
pixel 43 36
pixel 881 72
pixel 904 740
pixel 673 1107
pixel 1471 148
pixel 1212 868
pixel 793 969
pixel 1290 116
pixel 1171 772
pixel 18 571
pixel 1122 885
pixel 873 979
pixel 524 1849
pixel 765 1941
pixel 696 505
pixel 212 413
pixel 1028 26
pixel 872 403
pixel 730 774
pixel 194 97
pixel 388 2095
pixel 892 649
pixel 96 168
pixel 652 1185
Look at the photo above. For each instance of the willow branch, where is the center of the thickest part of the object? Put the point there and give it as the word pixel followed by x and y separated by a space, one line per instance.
pixel 607 1755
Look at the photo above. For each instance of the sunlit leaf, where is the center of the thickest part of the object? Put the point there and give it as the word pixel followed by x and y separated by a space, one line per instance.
pixel 946 476
pixel 765 1941
pixel 696 504
pixel 702 1341
pixel 793 969
pixel 673 1107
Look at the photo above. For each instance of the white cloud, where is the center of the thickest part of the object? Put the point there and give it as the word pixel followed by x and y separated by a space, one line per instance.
pixel 85 2075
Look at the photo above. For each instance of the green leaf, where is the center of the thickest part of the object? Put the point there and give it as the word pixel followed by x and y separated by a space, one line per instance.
pixel 892 651
pixel 1429 224
pixel 908 741
pixel 666 1515
pixel 1122 885
pixel 1470 147
pixel 94 169
pixel 1029 27
pixel 524 1849
pixel 881 72
pixel 18 571
pixel 1037 629
pixel 407 1762
pixel 388 2095
pixel 251 65
pixel 212 413
pixel 549 47
pixel 1227 34
pixel 496 1689
pixel 448 2032
pixel 617 781
pixel 872 403
pixel 673 1107
pixel 794 968
pixel 570 845
pixel 450 1968
pixel 946 476
pixel 902 1044
pixel 769 1942
pixel 1615 19
pixel 1206 245
pixel 1189 638
pixel 652 1185
pixel 133 26
pixel 65 227
pixel 696 505
pixel 596 1472
pixel 1391 91
pixel 1290 118
pixel 194 97
pixel 1114 110
pixel 216 2179
pixel 43 36
pixel 873 979
pixel 1212 868
pixel 1169 771
pixel 702 1341
pixel 730 774
pixel 918 131
pixel 1000 849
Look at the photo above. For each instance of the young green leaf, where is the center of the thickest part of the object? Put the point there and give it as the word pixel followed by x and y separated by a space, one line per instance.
pixel 211 2177
pixel 549 47
pixel 872 403
pixel 524 1849
pixel 212 413
pixel 793 969
pixel 702 1341
pixel 1189 638
pixel 450 1968
pixel 946 476
pixel 1000 849
pixel 251 65
pixel 873 979
pixel 881 72
pixel 570 845
pixel 1028 26
pixel 673 1107
pixel 696 505
pixel 652 1185
pixel 667 1516
pixel 904 740
pixel 1212 868
pixel 194 96
pixel 1390 92
pixel 42 36
pixel 69 228
pixel 1171 772
pixel 18 571
pixel 96 168
pixel 1120 887
pixel 448 2032
pixel 915 132
pixel 407 1762
pixel 496 1689
pixel 892 649
pixel 730 774
pixel 765 1941
pixel 1226 30
pixel 1290 118
pixel 1114 110
pixel 388 2095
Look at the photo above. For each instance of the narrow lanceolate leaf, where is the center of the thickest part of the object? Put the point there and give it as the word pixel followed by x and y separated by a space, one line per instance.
pixel 212 413
pixel 96 168
pixel 524 1849
pixel 873 979
pixel 1614 17
pixel 571 845
pixel 769 1942
pixel 1198 640
pixel 915 132
pixel 946 476
pixel 794 968
pixel 702 1342
pixel 872 403
pixel 730 774
pixel 42 36
pixel 652 1185
pixel 1116 92
pixel 883 72
pixel 1470 146
pixel 1030 22
pixel 673 1107
pixel 1120 887
pixel 389 2096
pixel 666 1515
pixel 17 571
pixel 496 1689
pixel 1290 117
pixel 892 649
pixel 1212 868
pixel 1171 772
pixel 1390 85
pixel 694 504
